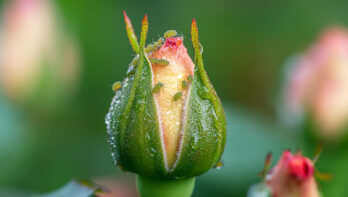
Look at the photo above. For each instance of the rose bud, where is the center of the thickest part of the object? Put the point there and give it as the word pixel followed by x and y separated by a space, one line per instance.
pixel 38 59
pixel 317 85
pixel 292 176
pixel 166 120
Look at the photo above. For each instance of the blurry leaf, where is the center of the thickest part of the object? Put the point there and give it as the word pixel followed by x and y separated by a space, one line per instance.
pixel 14 142
pixel 335 164
pixel 76 189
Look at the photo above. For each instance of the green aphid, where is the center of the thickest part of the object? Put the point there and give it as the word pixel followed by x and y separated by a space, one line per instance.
pixel 116 86
pixel 132 72
pixel 157 45
pixel 184 84
pixel 159 62
pixel 170 33
pixel 157 87
pixel 160 41
pixel 135 61
pixel 149 48
pixel 190 78
pixel 177 96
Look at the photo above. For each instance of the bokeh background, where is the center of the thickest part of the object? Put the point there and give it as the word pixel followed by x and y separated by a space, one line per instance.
pixel 56 132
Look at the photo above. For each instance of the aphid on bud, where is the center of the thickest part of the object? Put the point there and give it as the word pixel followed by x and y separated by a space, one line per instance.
pixel 159 62
pixel 131 72
pixel 157 45
pixel 135 61
pixel 189 79
pixel 177 96
pixel 170 33
pixel 116 86
pixel 160 41
pixel 184 84
pixel 149 48
pixel 157 87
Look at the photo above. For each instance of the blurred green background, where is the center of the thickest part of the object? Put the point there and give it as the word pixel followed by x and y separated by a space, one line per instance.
pixel 245 45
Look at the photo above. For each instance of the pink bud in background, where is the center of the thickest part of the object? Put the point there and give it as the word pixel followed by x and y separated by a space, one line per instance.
pixel 38 60
pixel 318 83
pixel 293 176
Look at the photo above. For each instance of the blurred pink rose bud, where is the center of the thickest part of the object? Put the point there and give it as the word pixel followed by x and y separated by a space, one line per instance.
pixel 293 176
pixel 317 84
pixel 38 60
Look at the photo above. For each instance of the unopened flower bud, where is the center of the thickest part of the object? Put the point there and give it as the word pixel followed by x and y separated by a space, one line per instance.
pixel 159 127
pixel 317 84
pixel 38 59
pixel 293 176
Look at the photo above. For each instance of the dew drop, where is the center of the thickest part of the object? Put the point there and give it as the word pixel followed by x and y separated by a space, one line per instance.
pixel 194 142
pixel 147 136
pixel 219 165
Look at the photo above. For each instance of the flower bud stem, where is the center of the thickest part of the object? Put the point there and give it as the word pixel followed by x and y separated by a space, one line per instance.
pixel 148 187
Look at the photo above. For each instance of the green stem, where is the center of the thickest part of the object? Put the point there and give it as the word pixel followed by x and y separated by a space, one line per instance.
pixel 148 187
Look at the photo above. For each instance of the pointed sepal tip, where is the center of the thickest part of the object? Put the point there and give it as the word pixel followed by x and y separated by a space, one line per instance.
pixel 194 34
pixel 144 30
pixel 133 40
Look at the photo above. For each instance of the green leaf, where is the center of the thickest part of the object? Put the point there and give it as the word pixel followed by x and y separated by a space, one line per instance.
pixel 76 189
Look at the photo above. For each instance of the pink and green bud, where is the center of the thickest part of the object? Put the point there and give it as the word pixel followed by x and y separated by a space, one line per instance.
pixel 39 62
pixel 292 176
pixel 158 125
pixel 317 84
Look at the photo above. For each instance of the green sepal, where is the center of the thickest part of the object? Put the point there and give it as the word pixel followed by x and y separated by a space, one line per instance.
pixel 132 121
pixel 133 40
pixel 204 134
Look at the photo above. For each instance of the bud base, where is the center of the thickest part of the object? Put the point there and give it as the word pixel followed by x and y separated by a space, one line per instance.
pixel 148 187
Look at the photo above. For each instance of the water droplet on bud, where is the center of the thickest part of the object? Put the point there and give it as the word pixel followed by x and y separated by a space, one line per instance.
pixel 219 165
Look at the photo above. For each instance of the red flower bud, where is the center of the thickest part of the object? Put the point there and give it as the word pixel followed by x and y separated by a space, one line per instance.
pixel 293 176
